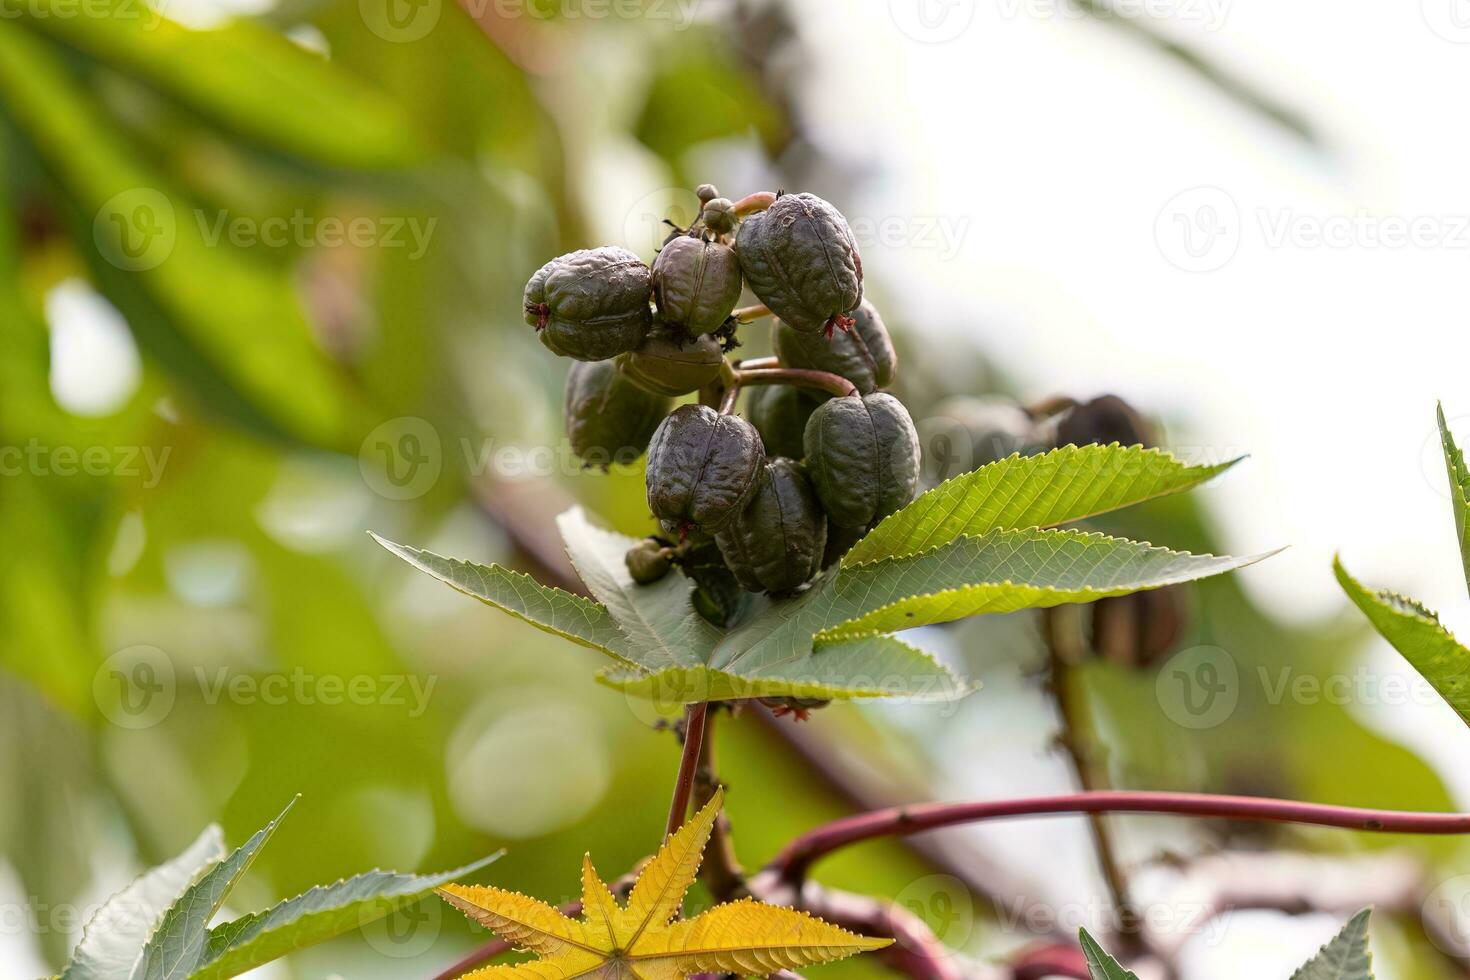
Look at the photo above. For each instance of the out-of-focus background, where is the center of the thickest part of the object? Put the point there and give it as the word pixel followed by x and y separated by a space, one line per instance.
pixel 262 263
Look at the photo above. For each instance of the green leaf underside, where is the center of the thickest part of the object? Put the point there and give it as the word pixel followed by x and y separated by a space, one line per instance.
pixel 560 613
pixel 1003 571
pixel 1454 461
pixel 1055 487
pixel 178 946
pixel 112 944
pixel 315 916
pixel 1099 963
pixel 1417 634
pixel 1345 957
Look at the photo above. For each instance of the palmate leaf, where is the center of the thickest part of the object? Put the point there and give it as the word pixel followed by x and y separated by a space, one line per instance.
pixel 113 941
pixel 1417 633
pixel 638 939
pixel 1345 957
pixel 1003 571
pixel 178 946
pixel 315 916
pixel 241 75
pixel 1099 963
pixel 1459 473
pixel 1052 488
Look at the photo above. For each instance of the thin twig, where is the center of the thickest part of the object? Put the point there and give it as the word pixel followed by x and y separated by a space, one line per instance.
pixel 898 821
pixel 721 869
pixel 747 314
pixel 831 383
pixel 694 721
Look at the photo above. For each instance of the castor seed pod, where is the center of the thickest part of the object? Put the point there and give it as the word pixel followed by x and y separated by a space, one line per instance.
pixel 800 258
pixel 1105 419
pixel 696 283
pixel 779 414
pixel 970 432
pixel 863 355
pixel 702 468
pixel 862 455
pixel 667 365
pixel 647 561
pixel 719 215
pixel 706 193
pixel 609 419
pixel 591 304
pixel 776 543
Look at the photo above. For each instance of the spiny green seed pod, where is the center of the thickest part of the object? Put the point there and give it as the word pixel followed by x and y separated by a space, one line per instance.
pixel 667 365
pixel 719 215
pixel 696 283
pixel 591 304
pixel 862 454
pixel 863 354
pixel 776 543
pixel 648 561
pixel 800 258
pixel 702 468
pixel 609 419
pixel 779 414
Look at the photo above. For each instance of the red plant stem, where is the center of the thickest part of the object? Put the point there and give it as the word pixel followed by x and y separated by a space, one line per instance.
pixel 694 721
pixel 758 363
pixel 831 383
pixel 751 203
pixel 792 862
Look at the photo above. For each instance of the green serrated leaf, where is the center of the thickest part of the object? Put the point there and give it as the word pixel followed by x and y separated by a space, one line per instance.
pixel 1454 461
pixel 239 74
pixel 113 942
pixel 1099 963
pixel 1003 571
pixel 315 916
pixel 1417 633
pixel 178 946
pixel 560 613
pixel 1052 488
pixel 1345 957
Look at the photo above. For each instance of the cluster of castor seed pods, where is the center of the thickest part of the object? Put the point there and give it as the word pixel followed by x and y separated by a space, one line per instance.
pixel 743 506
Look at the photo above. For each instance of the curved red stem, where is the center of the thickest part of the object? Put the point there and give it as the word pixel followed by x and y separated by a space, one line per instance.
pixel 793 861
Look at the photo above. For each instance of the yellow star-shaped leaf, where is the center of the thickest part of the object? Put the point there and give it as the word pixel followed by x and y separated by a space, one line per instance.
pixel 641 941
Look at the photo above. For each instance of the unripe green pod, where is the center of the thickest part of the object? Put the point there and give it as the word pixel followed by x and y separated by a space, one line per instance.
pixel 719 215
pixel 800 258
pixel 608 418
pixel 647 561
pixel 862 354
pixel 696 283
pixel 702 468
pixel 667 365
pixel 777 542
pixel 591 304
pixel 706 193
pixel 862 454
pixel 779 414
